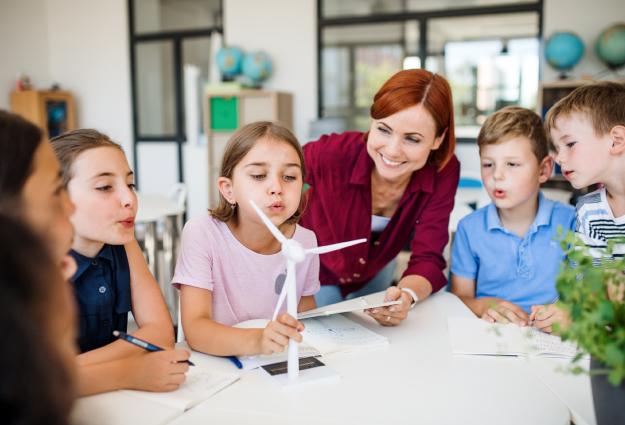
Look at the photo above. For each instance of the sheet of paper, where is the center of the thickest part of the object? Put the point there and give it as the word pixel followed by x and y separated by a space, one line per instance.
pixel 357 304
pixel 476 336
pixel 200 385
pixel 336 333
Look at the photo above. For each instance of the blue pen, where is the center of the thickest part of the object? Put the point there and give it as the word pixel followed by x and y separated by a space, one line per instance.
pixel 236 361
pixel 143 344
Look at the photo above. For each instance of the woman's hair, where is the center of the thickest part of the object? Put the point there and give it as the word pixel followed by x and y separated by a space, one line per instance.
pixel 68 146
pixel 241 142
pixel 35 386
pixel 418 86
pixel 19 139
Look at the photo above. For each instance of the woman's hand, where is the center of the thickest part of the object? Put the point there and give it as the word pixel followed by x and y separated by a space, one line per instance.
pixel 392 315
pixel 275 336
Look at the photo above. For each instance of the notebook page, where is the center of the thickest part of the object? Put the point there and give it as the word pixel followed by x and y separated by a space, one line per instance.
pixel 200 385
pixel 470 335
pixel 336 333
pixel 540 343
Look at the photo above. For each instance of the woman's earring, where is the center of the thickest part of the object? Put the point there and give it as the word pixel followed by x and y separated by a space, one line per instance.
pixel 233 206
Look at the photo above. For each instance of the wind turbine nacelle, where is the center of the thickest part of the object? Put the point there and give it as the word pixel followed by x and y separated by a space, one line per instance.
pixel 293 251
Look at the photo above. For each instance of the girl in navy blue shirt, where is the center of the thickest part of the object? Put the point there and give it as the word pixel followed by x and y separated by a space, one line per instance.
pixel 112 277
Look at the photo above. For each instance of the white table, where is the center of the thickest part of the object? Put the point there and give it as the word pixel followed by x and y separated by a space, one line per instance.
pixel 152 209
pixel 415 380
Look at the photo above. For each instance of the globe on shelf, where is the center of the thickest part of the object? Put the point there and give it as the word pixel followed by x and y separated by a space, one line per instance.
pixel 610 46
pixel 257 67
pixel 563 51
pixel 229 61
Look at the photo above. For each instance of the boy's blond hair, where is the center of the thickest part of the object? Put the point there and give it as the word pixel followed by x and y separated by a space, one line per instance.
pixel 603 103
pixel 514 121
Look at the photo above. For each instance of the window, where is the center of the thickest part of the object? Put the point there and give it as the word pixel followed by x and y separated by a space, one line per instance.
pixel 487 49
pixel 167 37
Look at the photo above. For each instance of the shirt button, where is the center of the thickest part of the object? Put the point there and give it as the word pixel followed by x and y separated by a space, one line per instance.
pixel 342 280
pixel 102 289
pixel 349 280
pixel 94 262
pixel 362 260
pixel 356 275
pixel 376 243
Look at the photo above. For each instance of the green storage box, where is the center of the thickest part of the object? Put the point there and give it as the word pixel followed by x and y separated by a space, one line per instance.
pixel 224 113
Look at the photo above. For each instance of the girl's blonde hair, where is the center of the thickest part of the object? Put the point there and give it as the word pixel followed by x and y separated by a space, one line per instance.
pixel 241 142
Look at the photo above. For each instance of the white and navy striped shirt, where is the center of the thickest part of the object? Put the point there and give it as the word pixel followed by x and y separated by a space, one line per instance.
pixel 596 225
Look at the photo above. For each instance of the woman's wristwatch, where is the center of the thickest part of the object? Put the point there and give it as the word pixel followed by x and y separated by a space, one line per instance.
pixel 413 294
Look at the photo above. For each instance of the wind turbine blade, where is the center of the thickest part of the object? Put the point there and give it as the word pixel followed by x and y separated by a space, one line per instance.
pixel 334 247
pixel 272 228
pixel 281 299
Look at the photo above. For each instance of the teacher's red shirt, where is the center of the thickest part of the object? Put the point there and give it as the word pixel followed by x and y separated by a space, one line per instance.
pixel 339 209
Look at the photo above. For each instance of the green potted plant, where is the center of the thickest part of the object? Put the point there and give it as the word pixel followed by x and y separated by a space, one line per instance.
pixel 591 291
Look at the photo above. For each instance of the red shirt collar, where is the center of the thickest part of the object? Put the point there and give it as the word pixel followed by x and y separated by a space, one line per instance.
pixel 422 180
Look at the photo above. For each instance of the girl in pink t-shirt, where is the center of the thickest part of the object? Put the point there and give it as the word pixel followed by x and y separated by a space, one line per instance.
pixel 230 268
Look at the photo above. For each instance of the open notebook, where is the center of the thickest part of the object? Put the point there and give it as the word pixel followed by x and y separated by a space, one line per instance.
pixel 337 333
pixel 200 385
pixel 476 336
pixel 322 335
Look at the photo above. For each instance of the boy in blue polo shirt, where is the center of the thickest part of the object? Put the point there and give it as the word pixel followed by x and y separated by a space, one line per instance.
pixel 505 257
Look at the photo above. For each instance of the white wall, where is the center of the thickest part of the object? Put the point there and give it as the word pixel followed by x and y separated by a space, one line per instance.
pixel 23 45
pixel 585 18
pixel 287 31
pixel 88 55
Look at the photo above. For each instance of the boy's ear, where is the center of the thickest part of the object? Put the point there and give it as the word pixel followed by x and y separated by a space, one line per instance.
pixel 617 135
pixel 545 169
pixel 224 185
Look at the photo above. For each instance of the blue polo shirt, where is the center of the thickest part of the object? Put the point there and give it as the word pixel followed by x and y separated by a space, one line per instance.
pixel 504 265
pixel 102 290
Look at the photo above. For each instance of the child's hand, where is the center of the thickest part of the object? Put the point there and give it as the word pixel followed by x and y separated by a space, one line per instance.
pixel 159 371
pixel 506 312
pixel 544 316
pixel 276 334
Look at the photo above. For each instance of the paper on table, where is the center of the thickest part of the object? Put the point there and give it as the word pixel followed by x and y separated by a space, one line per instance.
pixel 476 336
pixel 374 300
pixel 337 333
pixel 200 385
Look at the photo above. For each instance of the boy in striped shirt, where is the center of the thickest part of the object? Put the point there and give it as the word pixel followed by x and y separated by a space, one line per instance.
pixel 587 130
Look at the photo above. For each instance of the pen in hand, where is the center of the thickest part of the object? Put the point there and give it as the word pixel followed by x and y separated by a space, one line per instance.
pixel 534 314
pixel 141 343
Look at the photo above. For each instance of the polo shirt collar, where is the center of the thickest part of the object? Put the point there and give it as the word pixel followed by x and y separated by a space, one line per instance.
pixel 83 262
pixel 422 179
pixel 543 215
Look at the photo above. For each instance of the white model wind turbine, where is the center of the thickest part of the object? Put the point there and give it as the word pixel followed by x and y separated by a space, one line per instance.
pixel 294 253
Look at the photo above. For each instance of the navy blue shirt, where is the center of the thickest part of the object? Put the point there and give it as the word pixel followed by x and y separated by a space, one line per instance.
pixel 102 290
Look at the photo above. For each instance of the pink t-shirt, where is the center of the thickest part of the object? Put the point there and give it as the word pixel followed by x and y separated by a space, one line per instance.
pixel 245 284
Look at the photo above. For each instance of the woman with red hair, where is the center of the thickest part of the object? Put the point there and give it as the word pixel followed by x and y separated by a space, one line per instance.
pixel 393 185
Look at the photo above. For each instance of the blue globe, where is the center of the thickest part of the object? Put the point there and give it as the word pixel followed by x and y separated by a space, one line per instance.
pixel 257 67
pixel 564 50
pixel 610 46
pixel 229 60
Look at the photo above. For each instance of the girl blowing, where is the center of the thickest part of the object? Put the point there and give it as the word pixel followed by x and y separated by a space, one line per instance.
pixel 112 277
pixel 230 267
